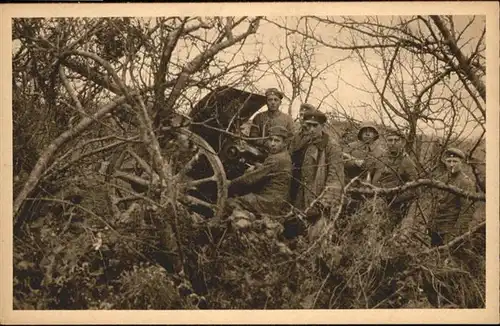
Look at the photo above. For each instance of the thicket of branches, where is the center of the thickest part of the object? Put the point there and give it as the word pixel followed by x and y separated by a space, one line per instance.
pixel 85 88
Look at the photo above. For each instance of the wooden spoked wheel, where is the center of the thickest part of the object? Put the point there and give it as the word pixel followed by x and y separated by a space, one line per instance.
pixel 196 176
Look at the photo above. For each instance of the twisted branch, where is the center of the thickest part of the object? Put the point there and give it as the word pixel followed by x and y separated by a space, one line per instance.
pixel 370 189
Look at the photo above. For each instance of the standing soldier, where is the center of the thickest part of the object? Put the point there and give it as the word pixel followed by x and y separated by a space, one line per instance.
pixel 301 137
pixel 361 158
pixel 263 121
pixel 396 169
pixel 451 213
pixel 365 153
pixel 321 169
pixel 271 180
pixel 299 122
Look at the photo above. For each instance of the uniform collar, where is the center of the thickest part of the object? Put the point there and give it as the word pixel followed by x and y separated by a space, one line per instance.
pixel 369 145
pixel 398 155
pixel 321 141
pixel 272 114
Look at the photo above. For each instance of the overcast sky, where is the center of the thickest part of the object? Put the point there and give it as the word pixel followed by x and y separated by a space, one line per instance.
pixel 346 75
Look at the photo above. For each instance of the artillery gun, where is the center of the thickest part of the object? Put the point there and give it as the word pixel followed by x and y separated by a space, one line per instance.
pixel 202 151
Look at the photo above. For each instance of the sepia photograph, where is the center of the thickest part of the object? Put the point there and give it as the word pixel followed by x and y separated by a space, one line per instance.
pixel 303 162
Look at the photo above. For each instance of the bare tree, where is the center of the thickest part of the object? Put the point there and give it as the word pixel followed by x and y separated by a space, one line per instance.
pixel 74 66
pixel 300 66
pixel 425 73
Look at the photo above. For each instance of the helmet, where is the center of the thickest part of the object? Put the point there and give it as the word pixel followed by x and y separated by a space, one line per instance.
pixel 366 125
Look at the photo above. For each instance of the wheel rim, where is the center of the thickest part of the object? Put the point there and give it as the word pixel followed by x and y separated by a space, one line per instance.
pixel 197 177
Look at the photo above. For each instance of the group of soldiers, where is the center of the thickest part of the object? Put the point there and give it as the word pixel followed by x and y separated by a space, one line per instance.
pixel 306 170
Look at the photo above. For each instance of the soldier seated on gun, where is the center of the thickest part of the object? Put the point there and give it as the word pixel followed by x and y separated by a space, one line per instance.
pixel 451 214
pixel 396 168
pixel 269 183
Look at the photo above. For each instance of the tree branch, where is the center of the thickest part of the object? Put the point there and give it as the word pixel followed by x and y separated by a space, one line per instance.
pixel 370 189
pixel 462 61
pixel 49 152
pixel 198 61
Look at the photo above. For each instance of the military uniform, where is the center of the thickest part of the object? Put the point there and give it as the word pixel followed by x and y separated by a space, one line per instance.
pixel 263 121
pixel 451 213
pixel 317 164
pixel 394 171
pixel 318 167
pixel 271 182
pixel 266 120
pixel 370 153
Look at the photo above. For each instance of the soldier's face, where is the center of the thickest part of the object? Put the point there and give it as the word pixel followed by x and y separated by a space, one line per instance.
pixel 394 143
pixel 273 102
pixel 275 144
pixel 453 164
pixel 301 114
pixel 312 128
pixel 368 134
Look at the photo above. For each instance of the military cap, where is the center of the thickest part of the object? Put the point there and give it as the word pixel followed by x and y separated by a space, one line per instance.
pixel 279 131
pixel 454 152
pixel 274 91
pixel 315 116
pixel 306 107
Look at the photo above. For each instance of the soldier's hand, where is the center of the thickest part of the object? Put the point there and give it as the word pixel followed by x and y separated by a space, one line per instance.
pixel 253 167
pixel 250 168
pixel 359 163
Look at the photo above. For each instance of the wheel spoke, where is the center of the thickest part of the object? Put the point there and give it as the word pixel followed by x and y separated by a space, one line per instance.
pixel 195 183
pixel 137 179
pixel 189 164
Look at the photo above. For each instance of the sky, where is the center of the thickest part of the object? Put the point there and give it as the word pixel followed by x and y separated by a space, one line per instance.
pixel 346 75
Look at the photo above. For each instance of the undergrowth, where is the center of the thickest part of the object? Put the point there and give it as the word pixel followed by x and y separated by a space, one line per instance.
pixel 78 256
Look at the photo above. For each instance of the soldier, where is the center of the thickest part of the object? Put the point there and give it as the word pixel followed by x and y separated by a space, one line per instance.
pixel 298 141
pixel 361 158
pixel 271 180
pixel 395 169
pixel 365 153
pixel 451 213
pixel 263 121
pixel 321 168
pixel 299 122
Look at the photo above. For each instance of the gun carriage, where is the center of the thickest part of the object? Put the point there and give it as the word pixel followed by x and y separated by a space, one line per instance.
pixel 201 152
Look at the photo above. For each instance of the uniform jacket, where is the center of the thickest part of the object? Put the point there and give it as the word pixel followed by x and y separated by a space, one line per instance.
pixel 265 120
pixel 318 164
pixel 273 180
pixel 394 171
pixel 452 213
pixel 372 155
